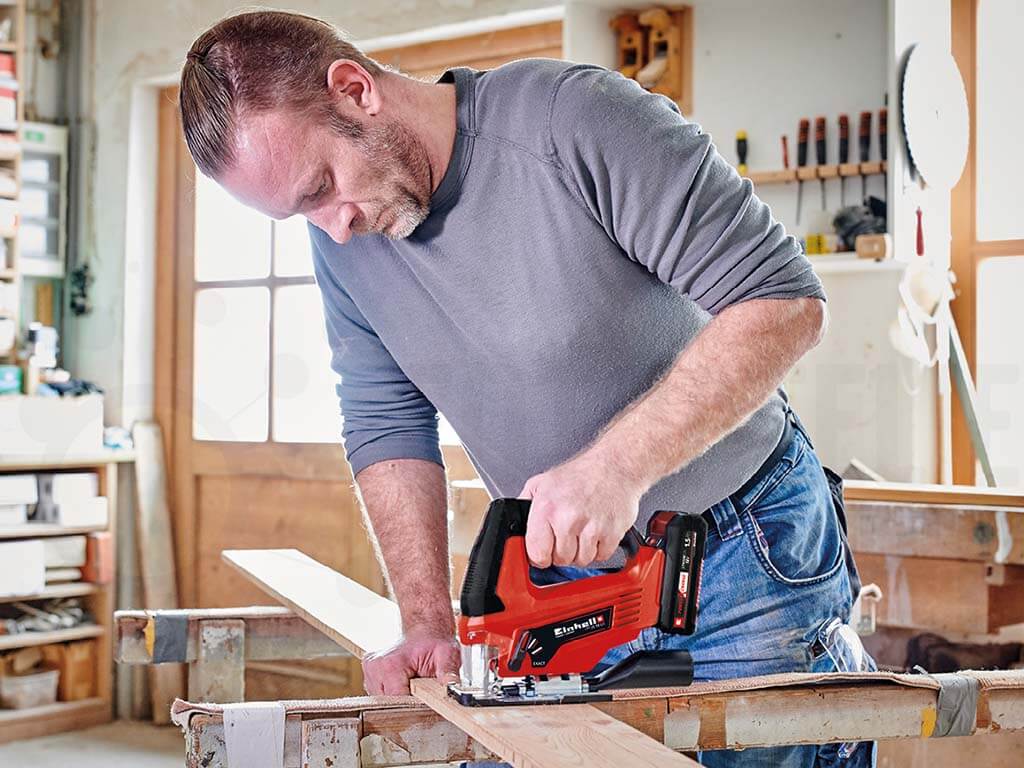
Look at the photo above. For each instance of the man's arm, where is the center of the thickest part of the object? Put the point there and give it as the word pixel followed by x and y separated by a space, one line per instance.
pixel 391 443
pixel 583 507
pixel 656 184
pixel 406 503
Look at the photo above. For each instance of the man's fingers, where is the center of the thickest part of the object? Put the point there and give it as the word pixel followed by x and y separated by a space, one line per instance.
pixel 396 684
pixel 540 541
pixel 606 547
pixel 527 492
pixel 566 546
pixel 587 551
pixel 372 683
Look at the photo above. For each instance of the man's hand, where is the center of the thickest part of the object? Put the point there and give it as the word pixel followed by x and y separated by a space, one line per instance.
pixel 388 673
pixel 580 511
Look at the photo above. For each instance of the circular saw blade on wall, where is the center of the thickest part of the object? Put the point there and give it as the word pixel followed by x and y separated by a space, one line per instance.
pixel 935 118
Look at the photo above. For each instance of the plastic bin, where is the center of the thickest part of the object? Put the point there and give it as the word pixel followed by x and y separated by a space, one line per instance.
pixel 35 689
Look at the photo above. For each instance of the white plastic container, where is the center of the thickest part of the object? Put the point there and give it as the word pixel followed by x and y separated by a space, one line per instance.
pixel 36 689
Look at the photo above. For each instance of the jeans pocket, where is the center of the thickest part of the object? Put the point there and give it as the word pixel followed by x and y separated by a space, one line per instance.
pixel 791 524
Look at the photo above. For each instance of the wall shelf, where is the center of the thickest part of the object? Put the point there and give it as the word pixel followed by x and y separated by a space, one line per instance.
pixel 28 639
pixel 57 591
pixel 808 172
pixel 847 263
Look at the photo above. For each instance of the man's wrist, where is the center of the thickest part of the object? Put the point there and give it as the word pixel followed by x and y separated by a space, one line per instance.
pixel 429 624
pixel 611 456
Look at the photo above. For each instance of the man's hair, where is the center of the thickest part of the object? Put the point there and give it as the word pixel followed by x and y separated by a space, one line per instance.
pixel 256 62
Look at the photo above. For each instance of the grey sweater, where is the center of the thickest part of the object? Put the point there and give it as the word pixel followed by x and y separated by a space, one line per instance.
pixel 582 236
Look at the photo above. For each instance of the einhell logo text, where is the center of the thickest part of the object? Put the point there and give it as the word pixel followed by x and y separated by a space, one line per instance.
pixel 590 623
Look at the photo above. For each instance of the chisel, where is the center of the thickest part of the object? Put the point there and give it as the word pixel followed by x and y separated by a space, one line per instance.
pixel 844 154
pixel 819 153
pixel 864 144
pixel 801 161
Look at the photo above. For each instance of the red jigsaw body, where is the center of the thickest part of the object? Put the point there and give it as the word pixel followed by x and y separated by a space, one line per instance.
pixel 567 628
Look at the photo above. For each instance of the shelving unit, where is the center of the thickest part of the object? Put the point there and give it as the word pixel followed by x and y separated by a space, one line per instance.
pixel 808 172
pixel 10 164
pixel 98 600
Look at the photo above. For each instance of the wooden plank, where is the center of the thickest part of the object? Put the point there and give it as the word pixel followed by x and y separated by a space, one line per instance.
pixel 271 633
pixel 363 621
pixel 18 724
pixel 922 493
pixel 355 617
pixel 27 639
pixel 956 532
pixel 564 736
pixel 155 544
pixel 940 595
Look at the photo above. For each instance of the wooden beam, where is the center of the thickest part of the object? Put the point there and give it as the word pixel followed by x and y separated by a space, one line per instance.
pixel 921 493
pixel 563 736
pixel 953 531
pixel 774 710
pixel 272 633
pixel 156 554
pixel 363 621
pixel 355 617
pixel 942 595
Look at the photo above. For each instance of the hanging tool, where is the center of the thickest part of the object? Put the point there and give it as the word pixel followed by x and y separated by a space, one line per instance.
pixel 920 233
pixel 819 153
pixel 529 644
pixel 844 154
pixel 883 147
pixel 864 144
pixel 801 161
pixel 785 152
pixel 741 151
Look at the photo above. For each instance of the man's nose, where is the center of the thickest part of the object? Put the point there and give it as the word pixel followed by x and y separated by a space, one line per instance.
pixel 337 222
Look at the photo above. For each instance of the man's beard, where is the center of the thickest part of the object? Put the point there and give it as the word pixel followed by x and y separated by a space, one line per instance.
pixel 402 171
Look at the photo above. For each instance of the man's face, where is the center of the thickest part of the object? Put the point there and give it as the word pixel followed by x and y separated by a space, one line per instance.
pixel 289 164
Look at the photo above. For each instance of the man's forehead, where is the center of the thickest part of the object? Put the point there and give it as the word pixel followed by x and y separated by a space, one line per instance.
pixel 270 163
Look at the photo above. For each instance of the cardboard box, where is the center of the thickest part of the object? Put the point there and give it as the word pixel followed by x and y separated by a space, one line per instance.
pixel 77 665
pixel 69 499
pixel 51 426
pixel 21 568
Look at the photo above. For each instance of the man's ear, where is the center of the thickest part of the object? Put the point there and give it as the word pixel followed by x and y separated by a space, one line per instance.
pixel 348 80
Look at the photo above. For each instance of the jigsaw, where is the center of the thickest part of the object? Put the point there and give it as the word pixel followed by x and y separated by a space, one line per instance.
pixel 523 643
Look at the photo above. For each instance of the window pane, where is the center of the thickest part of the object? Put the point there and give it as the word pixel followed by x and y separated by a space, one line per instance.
pixel 230 399
pixel 306 406
pixel 292 250
pixel 1000 113
pixel 232 241
pixel 1001 364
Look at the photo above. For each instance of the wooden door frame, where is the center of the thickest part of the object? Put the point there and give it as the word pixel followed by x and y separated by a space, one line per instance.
pixel 966 251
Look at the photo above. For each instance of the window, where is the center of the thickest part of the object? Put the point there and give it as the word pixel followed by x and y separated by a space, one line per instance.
pixel 262 362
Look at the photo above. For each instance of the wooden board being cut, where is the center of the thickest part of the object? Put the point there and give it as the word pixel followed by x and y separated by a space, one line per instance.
pixel 363 621
pixel 355 617
pixel 552 736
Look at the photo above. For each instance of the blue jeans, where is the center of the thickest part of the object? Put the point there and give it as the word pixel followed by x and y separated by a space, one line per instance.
pixel 775 597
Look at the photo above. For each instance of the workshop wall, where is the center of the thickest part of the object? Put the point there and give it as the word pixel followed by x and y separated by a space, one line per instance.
pixel 754 69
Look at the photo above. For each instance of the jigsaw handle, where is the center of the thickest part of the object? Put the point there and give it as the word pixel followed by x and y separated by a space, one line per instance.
pixel 505 518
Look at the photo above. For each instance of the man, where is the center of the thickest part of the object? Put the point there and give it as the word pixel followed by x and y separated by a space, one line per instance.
pixel 567 269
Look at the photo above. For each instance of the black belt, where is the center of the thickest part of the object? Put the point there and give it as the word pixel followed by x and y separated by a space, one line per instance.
pixel 769 464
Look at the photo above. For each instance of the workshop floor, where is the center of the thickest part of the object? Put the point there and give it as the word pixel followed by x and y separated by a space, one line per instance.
pixel 139 745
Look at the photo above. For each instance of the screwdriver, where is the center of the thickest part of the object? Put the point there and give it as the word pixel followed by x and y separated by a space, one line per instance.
pixel 844 154
pixel 883 147
pixel 801 161
pixel 741 151
pixel 819 152
pixel 864 144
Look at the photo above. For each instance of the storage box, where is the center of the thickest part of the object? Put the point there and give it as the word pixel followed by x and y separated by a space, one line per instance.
pixel 22 571
pixel 99 559
pixel 64 552
pixel 51 426
pixel 77 665
pixel 35 689
pixel 69 499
